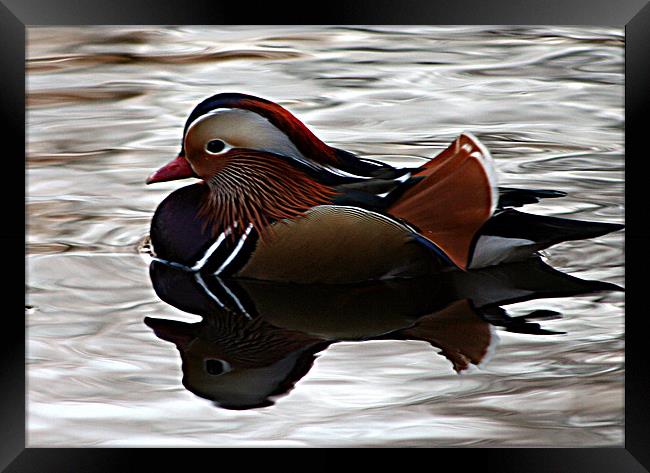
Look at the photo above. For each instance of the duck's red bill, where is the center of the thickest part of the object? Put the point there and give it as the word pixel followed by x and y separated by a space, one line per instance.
pixel 179 168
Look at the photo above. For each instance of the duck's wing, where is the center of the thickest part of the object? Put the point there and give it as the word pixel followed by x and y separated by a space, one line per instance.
pixel 339 244
pixel 456 195
pixel 444 203
pixel 382 185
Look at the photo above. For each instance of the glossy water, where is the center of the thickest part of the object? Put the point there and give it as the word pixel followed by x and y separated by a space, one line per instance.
pixel 106 106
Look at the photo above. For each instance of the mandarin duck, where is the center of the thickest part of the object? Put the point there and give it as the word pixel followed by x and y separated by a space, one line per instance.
pixel 276 203
pixel 256 338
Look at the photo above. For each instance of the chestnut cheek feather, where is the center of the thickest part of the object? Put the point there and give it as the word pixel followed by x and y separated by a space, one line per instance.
pixel 255 187
pixel 207 166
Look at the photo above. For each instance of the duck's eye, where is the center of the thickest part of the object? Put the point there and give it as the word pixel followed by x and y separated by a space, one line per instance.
pixel 216 367
pixel 215 146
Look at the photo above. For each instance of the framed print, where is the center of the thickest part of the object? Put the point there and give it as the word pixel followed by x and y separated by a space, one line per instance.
pixel 374 227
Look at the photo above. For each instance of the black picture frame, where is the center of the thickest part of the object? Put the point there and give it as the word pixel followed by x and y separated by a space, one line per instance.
pixel 15 15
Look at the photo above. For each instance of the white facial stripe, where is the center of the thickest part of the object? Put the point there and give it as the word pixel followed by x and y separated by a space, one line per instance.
pixel 247 129
pixel 234 253
pixel 210 113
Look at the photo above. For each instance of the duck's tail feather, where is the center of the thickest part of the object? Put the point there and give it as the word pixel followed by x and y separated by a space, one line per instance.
pixel 455 197
pixel 512 235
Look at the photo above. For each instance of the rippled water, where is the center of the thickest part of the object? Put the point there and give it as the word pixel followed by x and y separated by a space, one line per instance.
pixel 106 106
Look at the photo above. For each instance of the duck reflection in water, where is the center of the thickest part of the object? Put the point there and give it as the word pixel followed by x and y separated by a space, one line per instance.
pixel 257 339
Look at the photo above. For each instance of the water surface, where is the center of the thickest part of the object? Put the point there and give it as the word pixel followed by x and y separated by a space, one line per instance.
pixel 106 106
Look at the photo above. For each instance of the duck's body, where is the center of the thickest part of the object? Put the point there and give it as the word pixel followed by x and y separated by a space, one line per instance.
pixel 330 244
pixel 278 204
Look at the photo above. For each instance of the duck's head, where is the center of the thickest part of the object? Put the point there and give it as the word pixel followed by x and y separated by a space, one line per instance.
pixel 230 124
pixel 238 363
pixel 255 150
